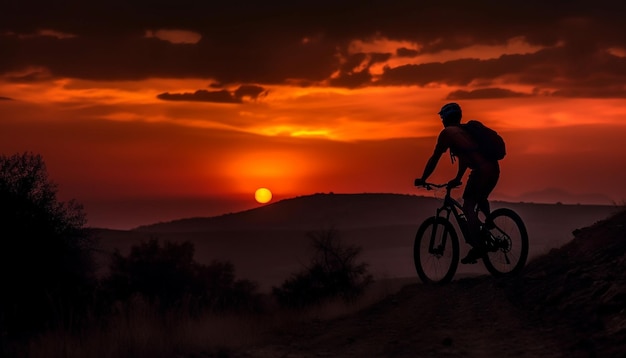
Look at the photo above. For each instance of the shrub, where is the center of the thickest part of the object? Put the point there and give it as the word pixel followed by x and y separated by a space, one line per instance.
pixel 46 267
pixel 169 277
pixel 332 273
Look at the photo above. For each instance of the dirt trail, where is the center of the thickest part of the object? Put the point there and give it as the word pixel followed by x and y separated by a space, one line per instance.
pixel 570 302
pixel 467 318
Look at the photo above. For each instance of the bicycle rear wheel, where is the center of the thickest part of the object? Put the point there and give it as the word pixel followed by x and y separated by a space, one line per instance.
pixel 436 251
pixel 507 246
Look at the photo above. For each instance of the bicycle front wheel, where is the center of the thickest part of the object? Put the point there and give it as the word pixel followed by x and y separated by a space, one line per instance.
pixel 508 243
pixel 436 251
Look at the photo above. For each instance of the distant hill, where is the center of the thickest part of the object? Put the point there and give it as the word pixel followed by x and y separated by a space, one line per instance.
pixel 350 211
pixel 269 243
pixel 312 212
pixel 555 195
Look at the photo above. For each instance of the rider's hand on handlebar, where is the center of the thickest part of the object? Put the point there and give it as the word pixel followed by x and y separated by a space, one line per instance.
pixel 454 183
pixel 419 182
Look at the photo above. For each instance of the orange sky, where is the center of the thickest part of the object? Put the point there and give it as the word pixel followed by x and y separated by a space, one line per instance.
pixel 163 118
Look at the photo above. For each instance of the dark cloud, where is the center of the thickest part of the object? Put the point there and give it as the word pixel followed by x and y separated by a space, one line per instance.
pixel 614 91
pixel 406 52
pixel 5 98
pixel 307 41
pixel 354 71
pixel 222 96
pixel 30 76
pixel 249 91
pixel 484 93
pixel 457 72
pixel 564 71
pixel 352 79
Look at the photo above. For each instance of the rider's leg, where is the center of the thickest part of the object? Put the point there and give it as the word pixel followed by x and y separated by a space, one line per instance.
pixel 480 183
pixel 477 250
pixel 488 180
pixel 484 207
pixel 471 198
pixel 473 224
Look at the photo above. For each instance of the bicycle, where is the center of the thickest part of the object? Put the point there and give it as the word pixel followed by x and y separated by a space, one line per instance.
pixel 436 247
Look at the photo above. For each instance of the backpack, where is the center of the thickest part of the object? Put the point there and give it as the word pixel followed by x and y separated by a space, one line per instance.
pixel 490 143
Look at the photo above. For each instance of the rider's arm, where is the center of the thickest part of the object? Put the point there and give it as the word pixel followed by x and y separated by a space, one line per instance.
pixel 440 148
pixel 459 174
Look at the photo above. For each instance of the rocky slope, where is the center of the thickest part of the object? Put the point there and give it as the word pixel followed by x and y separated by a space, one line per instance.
pixel 582 285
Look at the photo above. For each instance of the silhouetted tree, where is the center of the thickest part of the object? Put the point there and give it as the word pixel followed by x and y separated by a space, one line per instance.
pixel 169 277
pixel 46 269
pixel 333 272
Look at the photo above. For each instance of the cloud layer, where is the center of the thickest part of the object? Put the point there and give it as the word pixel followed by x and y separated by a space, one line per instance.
pixel 581 45
pixel 221 96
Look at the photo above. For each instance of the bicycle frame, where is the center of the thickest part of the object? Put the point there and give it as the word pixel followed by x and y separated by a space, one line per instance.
pixel 452 206
pixel 449 206
pixel 436 247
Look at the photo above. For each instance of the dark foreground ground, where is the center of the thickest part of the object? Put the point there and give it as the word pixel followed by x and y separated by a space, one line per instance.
pixel 568 303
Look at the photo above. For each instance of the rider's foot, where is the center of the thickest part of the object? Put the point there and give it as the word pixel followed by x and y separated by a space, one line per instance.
pixel 489 224
pixel 488 241
pixel 473 256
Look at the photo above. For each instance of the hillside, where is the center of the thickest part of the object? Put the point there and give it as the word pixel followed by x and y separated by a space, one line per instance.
pixel 583 285
pixel 269 243
pixel 570 302
pixel 311 212
pixel 349 211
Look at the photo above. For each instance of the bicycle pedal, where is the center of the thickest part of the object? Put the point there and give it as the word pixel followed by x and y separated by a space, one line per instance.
pixel 469 262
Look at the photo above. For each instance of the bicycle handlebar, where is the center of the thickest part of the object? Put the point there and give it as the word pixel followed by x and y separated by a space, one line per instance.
pixel 430 186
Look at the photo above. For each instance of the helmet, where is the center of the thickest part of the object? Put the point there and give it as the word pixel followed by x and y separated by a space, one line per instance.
pixel 451 113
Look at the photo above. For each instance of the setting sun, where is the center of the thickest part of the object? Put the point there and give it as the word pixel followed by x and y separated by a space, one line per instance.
pixel 263 195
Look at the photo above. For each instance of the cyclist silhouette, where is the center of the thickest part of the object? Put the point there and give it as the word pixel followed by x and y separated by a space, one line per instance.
pixel 482 179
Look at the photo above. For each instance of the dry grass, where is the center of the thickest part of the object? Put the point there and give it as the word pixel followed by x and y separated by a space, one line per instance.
pixel 139 331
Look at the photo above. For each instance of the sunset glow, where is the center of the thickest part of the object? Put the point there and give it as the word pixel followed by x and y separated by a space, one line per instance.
pixel 181 109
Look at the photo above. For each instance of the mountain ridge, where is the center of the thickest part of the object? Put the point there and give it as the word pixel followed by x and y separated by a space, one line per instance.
pixel 552 195
pixel 337 210
pixel 311 211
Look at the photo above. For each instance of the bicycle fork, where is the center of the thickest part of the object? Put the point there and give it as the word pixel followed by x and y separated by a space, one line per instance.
pixel 434 247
